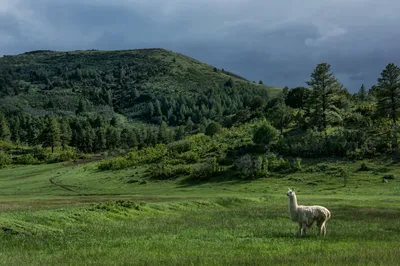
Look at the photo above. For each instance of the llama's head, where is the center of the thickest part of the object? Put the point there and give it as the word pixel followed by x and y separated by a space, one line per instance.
pixel 290 192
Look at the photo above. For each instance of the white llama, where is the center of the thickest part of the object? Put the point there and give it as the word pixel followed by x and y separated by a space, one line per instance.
pixel 306 215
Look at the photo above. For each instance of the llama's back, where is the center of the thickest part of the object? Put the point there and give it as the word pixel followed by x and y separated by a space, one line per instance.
pixel 322 211
pixel 315 211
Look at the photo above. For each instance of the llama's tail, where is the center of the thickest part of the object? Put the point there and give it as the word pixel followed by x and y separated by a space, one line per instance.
pixel 328 216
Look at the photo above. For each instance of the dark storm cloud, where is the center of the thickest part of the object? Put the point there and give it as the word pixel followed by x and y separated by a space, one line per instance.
pixel 279 42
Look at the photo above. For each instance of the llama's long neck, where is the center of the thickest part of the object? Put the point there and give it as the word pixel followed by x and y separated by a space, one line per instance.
pixel 293 206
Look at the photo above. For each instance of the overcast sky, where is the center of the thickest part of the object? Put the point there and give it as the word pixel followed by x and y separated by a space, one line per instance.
pixel 279 42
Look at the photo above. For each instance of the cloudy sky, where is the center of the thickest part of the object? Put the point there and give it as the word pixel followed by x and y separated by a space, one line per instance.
pixel 279 42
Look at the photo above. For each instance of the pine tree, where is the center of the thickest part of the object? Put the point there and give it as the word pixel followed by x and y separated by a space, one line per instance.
pixel 388 93
pixel 281 116
pixel 180 133
pixel 125 138
pixel 362 93
pixel 213 128
pixel 15 127
pixel 132 139
pixel 189 125
pixel 81 107
pixel 113 138
pixel 66 134
pixel 89 139
pixel 150 109
pixel 5 133
pixel 298 97
pixel 324 88
pixel 32 131
pixel 157 109
pixel 136 94
pixel 163 134
pixel 51 134
pixel 101 140
pixel 114 121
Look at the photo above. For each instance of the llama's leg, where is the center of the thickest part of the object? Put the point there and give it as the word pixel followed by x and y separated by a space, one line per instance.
pixel 320 226
pixel 304 227
pixel 299 230
pixel 324 228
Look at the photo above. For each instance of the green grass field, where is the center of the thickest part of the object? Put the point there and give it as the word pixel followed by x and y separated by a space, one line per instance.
pixel 66 214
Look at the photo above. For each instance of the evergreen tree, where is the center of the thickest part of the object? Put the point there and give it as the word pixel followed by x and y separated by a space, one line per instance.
pixel 33 131
pixel 298 97
pixel 281 116
pixel 136 94
pixel 150 109
pixel 132 139
pixel 113 138
pixel 213 128
pixel 81 107
pixel 51 134
pixel 163 133
pixel 125 138
pixel 324 88
pixel 101 139
pixel 362 93
pixel 180 133
pixel 98 122
pixel 5 133
pixel 66 134
pixel 189 125
pixel 157 109
pixel 15 127
pixel 388 93
pixel 114 121
pixel 264 134
pixel 89 139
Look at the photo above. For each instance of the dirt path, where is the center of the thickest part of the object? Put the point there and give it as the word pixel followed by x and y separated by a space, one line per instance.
pixel 61 185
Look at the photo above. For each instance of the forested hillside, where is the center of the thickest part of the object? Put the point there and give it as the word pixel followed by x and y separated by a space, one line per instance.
pixel 103 100
pixel 158 107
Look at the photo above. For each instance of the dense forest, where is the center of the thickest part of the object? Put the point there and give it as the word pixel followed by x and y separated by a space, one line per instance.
pixel 59 105
pixel 119 99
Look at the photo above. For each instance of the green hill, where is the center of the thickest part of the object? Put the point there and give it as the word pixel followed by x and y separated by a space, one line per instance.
pixel 150 85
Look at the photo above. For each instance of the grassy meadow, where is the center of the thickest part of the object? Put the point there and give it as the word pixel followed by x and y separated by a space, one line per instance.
pixel 74 214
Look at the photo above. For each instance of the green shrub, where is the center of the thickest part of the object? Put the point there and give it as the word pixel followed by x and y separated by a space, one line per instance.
pixel 5 145
pixel 265 134
pixel 277 164
pixel 114 164
pixel 63 156
pixel 27 159
pixel 213 128
pixel 364 167
pixel 163 171
pixel 179 147
pixel 5 159
pixel 297 164
pixel 41 154
pixel 172 161
pixel 82 155
pixel 147 155
pixel 190 157
pixel 251 167
pixel 202 144
pixel 205 170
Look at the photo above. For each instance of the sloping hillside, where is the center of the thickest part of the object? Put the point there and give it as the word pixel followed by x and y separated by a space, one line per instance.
pixel 151 85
